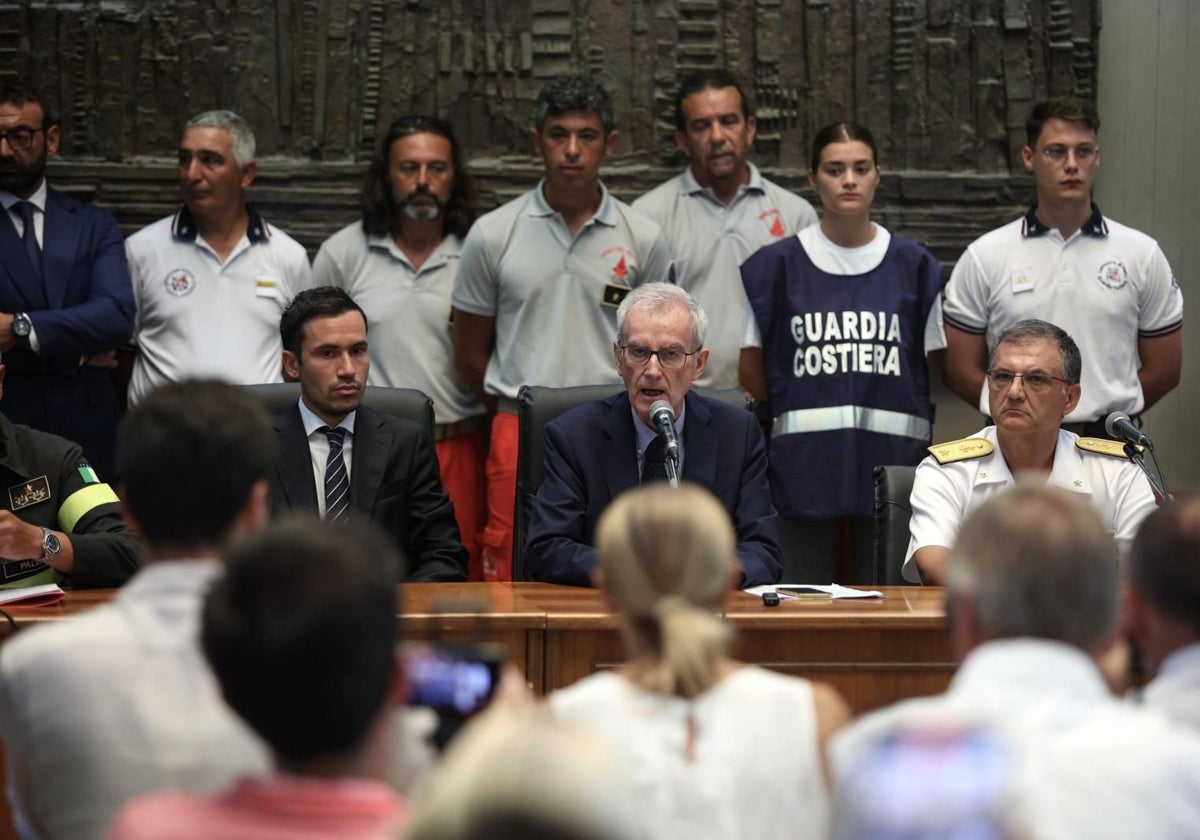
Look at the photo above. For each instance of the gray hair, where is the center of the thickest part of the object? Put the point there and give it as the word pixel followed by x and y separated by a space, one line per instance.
pixel 656 297
pixel 1019 552
pixel 1031 330
pixel 573 93
pixel 244 147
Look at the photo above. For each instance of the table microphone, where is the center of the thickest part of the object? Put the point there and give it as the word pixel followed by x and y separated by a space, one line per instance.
pixel 663 417
pixel 1119 426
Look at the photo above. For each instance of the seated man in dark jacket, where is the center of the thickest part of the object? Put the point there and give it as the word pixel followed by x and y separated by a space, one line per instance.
pixel 596 451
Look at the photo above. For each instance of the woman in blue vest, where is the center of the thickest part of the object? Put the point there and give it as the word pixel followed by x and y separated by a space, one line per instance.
pixel 841 318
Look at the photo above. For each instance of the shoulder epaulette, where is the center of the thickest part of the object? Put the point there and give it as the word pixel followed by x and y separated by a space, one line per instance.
pixel 1102 446
pixel 961 450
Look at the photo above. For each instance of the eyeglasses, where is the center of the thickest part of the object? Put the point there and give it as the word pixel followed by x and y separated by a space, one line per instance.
pixel 669 358
pixel 1002 380
pixel 19 139
pixel 1083 153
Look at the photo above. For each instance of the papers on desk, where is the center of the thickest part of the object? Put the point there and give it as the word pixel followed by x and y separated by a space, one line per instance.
pixel 33 596
pixel 800 592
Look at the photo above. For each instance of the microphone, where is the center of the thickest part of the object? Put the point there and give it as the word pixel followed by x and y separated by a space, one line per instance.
pixel 1118 425
pixel 663 416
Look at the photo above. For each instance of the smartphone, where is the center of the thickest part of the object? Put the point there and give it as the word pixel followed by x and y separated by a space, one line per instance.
pixel 454 681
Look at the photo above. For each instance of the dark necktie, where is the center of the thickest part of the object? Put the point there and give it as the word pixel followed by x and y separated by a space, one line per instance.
pixel 655 468
pixel 337 483
pixel 26 211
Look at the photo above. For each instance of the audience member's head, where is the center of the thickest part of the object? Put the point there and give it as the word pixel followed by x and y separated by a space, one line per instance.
pixel 666 557
pixel 517 775
pixel 32 135
pixel 301 633
pixel 1035 561
pixel 1163 608
pixel 193 460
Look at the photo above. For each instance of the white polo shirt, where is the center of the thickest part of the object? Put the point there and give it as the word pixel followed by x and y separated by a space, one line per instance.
pixel 555 298
pixel 408 314
pixel 709 242
pixel 943 495
pixel 199 316
pixel 1106 286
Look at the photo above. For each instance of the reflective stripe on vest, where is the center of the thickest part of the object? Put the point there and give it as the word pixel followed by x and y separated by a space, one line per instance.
pixel 838 417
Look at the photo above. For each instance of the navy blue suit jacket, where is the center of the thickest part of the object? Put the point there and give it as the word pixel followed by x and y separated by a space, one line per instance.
pixel 394 480
pixel 83 305
pixel 591 457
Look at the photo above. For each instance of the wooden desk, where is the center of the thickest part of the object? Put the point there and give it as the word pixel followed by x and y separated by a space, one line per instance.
pixel 873 651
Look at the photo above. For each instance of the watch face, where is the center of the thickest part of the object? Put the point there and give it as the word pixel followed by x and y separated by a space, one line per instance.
pixel 51 544
pixel 21 325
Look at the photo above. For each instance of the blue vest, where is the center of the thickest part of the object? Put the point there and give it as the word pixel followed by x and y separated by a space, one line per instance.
pixel 844 357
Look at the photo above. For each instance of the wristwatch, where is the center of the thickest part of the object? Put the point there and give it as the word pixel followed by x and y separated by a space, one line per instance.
pixel 21 326
pixel 51 545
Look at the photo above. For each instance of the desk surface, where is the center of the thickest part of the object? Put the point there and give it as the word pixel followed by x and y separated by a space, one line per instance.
pixel 511 606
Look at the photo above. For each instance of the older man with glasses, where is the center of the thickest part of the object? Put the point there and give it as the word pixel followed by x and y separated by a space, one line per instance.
pixel 596 451
pixel 1033 376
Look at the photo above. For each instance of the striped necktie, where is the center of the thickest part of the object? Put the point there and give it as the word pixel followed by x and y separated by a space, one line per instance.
pixel 337 483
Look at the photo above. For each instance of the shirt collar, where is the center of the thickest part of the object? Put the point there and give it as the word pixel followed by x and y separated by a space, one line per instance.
pixel 312 422
pixel 605 215
pixel 183 227
pixel 688 185
pixel 448 249
pixel 1094 226
pixel 38 199
pixel 1067 471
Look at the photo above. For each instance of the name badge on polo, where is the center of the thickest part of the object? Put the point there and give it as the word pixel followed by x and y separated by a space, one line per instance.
pixel 1023 279
pixel 613 295
pixel 266 287
pixel 28 493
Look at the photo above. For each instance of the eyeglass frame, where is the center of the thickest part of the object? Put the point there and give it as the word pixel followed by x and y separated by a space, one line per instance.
pixel 6 137
pixel 1024 377
pixel 1059 153
pixel 624 348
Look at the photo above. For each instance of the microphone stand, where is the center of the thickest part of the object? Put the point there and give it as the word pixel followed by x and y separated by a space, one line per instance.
pixel 1158 484
pixel 671 462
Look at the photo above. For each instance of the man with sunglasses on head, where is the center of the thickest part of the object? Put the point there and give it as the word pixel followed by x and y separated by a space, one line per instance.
pixel 1108 285
pixel 597 451
pixel 65 299
pixel 1033 377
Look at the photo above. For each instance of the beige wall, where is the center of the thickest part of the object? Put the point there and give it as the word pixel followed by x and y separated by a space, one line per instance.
pixel 1149 101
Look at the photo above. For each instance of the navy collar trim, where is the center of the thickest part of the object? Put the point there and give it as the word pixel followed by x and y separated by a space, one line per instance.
pixel 183 227
pixel 1094 226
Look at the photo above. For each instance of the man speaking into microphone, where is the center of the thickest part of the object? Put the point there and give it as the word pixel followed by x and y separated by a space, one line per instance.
pixel 597 451
pixel 1033 376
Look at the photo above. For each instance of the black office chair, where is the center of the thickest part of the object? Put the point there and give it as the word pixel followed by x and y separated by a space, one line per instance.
pixel 537 406
pixel 408 403
pixel 893 510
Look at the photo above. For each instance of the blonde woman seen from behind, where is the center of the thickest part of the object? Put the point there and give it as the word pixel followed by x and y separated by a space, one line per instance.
pixel 715 748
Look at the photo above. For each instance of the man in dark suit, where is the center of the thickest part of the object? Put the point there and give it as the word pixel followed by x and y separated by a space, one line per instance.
pixel 596 451
pixel 338 458
pixel 65 298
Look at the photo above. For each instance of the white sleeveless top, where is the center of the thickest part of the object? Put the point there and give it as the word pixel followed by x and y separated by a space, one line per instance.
pixel 755 773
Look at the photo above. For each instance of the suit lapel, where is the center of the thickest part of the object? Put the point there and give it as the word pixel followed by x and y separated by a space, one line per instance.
pixel 372 442
pixel 17 272
pixel 621 446
pixel 293 461
pixel 60 241
pixel 699 444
